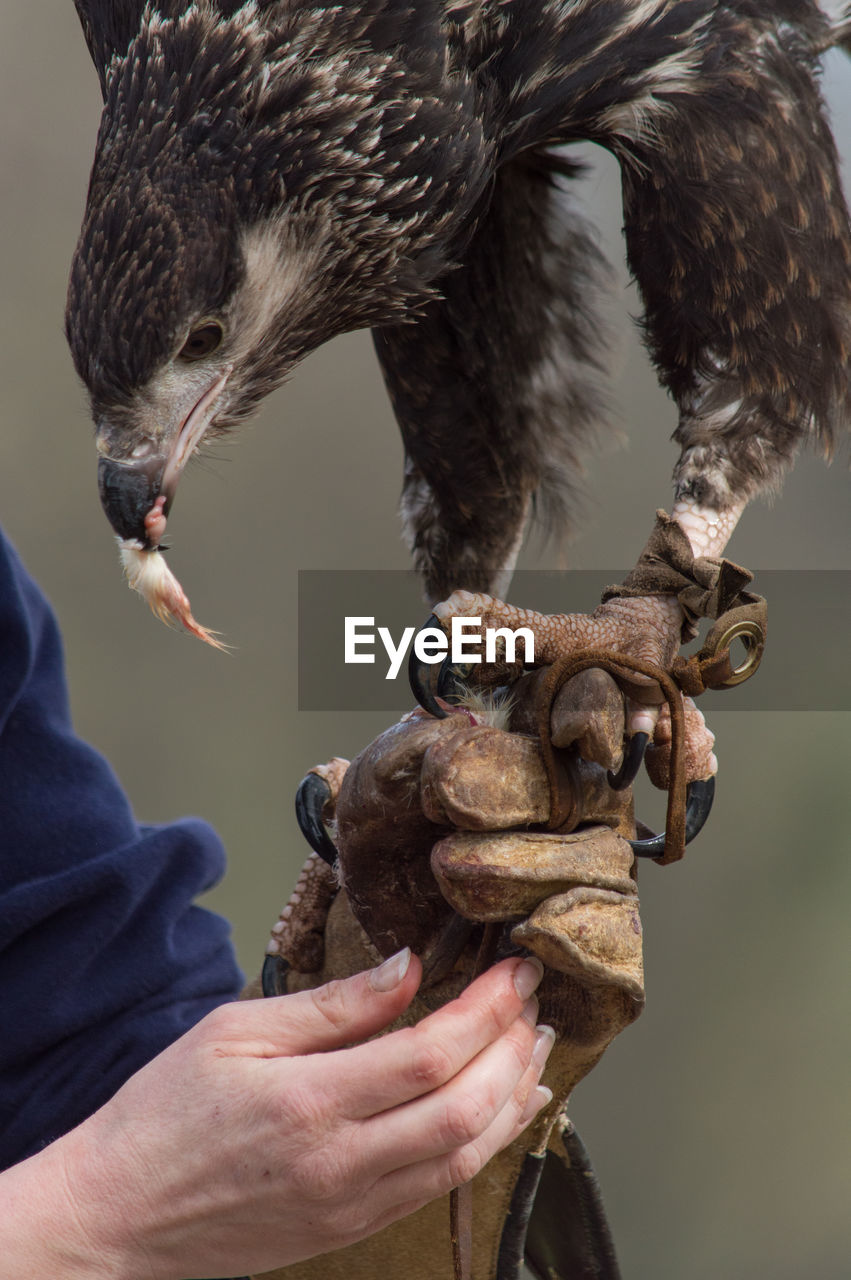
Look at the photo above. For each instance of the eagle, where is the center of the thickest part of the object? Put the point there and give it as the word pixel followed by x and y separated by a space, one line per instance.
pixel 270 174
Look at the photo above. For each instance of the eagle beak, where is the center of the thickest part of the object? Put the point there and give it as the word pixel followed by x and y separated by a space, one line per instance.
pixel 128 491
pixel 130 487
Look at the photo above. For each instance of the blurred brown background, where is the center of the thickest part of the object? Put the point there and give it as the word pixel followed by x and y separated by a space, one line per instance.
pixel 719 1123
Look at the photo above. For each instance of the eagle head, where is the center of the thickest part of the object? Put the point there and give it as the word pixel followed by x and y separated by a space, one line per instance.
pixel 256 190
pixel 180 320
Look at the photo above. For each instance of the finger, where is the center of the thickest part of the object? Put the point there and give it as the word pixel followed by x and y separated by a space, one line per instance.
pixel 406 1189
pixel 498 1081
pixel 323 1019
pixel 425 1180
pixel 372 1078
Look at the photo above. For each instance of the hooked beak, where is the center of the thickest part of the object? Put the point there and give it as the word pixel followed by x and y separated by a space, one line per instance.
pixel 130 487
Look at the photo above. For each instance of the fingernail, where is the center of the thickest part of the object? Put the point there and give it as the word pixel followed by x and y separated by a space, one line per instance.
pixel 529 1012
pixel 527 975
pixel 537 1100
pixel 389 974
pixel 543 1045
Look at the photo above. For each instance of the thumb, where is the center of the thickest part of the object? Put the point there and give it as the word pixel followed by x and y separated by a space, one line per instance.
pixel 332 1016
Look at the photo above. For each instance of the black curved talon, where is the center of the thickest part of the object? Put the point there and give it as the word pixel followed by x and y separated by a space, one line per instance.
pixel 273 977
pixel 699 797
pixel 311 798
pixel 631 763
pixel 432 680
pixel 424 677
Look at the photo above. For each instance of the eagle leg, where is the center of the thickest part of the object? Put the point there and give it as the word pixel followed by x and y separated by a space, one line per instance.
pixel 496 384
pixel 738 237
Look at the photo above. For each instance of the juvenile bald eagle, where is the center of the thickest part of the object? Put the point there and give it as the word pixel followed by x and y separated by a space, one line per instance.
pixel 270 174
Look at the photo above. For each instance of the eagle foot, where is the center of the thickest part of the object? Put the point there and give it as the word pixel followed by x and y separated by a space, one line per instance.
pixel 643 628
pixel 297 937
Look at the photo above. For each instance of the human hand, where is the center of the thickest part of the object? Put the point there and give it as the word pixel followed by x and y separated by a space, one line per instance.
pixel 258 1139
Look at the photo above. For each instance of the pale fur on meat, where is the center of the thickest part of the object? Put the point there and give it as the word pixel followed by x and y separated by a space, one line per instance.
pixel 148 573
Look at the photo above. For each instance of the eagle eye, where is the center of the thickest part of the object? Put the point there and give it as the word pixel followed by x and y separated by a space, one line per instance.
pixel 202 341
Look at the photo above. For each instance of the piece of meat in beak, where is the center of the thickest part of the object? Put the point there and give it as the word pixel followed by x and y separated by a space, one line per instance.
pixel 138 473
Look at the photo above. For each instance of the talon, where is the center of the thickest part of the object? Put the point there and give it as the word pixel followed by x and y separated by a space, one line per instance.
pixel 273 977
pixel 430 680
pixel 699 797
pixel 631 763
pixel 310 799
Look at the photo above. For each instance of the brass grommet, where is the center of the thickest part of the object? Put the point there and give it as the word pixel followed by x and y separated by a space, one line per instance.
pixel 753 638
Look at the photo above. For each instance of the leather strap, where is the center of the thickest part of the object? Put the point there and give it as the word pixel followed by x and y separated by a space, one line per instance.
pixel 704 586
pixel 568 1237
pixel 461 1198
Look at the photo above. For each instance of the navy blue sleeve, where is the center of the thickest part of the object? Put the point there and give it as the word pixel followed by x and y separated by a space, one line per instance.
pixel 104 960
